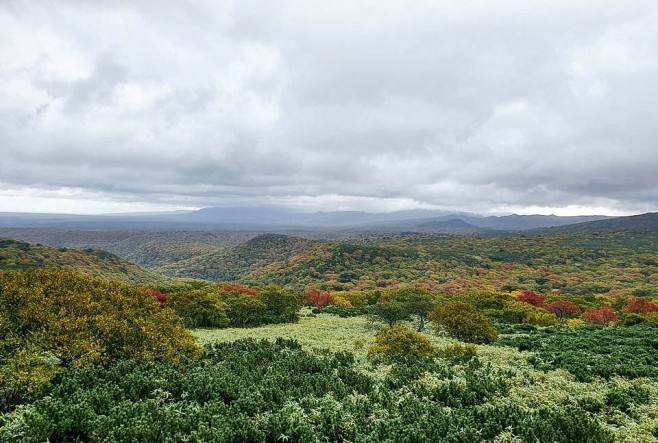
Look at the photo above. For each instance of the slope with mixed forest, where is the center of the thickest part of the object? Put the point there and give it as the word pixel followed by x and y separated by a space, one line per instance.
pixel 18 255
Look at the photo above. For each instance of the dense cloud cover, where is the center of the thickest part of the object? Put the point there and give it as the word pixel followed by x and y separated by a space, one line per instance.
pixel 471 105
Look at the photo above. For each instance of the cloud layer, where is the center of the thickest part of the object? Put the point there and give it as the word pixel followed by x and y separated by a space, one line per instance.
pixel 470 105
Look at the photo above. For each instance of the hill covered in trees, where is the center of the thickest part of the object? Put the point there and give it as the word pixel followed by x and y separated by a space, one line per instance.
pixel 642 221
pixel 611 262
pixel 18 255
pixel 235 263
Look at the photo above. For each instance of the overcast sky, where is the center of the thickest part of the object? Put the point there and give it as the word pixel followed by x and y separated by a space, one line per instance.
pixel 486 106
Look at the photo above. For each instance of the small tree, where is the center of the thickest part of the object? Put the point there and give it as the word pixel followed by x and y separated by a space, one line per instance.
pixel 603 316
pixel 390 312
pixel 245 310
pixel 417 302
pixel 315 297
pixel 564 309
pixel 464 322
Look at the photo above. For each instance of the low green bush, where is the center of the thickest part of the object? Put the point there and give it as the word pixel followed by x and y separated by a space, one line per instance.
pixel 252 391
pixel 625 399
pixel 590 352
pixel 342 311
pixel 457 352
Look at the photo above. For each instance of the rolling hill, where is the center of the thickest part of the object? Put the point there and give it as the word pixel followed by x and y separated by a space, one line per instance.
pixel 452 225
pixel 18 255
pixel 642 221
pixel 146 248
pixel 235 263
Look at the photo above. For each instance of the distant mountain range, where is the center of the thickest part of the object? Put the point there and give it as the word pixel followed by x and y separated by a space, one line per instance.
pixel 275 219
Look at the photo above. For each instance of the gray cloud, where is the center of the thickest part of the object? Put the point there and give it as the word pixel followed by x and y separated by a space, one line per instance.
pixel 474 105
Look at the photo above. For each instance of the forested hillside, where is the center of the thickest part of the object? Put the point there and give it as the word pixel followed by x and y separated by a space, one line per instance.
pixel 641 221
pixel 18 255
pixel 235 263
pixel 614 263
pixel 145 248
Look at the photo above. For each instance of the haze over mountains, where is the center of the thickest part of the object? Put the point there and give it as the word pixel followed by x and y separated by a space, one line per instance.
pixel 274 219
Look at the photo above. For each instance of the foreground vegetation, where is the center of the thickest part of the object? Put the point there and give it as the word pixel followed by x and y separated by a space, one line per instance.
pixel 246 391
pixel 413 358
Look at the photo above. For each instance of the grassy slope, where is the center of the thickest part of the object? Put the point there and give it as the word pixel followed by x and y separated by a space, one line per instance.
pixel 529 386
pixel 17 255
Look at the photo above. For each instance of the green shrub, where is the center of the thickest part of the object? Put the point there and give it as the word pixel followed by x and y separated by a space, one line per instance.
pixel 230 304
pixel 516 312
pixel 200 309
pixel 342 311
pixel 23 376
pixel 625 319
pixel 399 340
pixel 245 310
pixel 281 305
pixel 543 319
pixel 591 404
pixel 464 322
pixel 625 399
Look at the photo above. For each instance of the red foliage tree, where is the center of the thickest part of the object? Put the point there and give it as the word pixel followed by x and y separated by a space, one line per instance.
pixel 603 316
pixel 563 309
pixel 638 305
pixel 236 288
pixel 317 298
pixel 159 296
pixel 532 298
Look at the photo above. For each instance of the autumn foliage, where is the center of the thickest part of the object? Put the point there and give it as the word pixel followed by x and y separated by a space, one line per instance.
pixel 532 298
pixel 603 316
pixel 563 309
pixel 464 322
pixel 51 319
pixel 638 305
pixel 315 297
pixel 159 296
pixel 236 288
